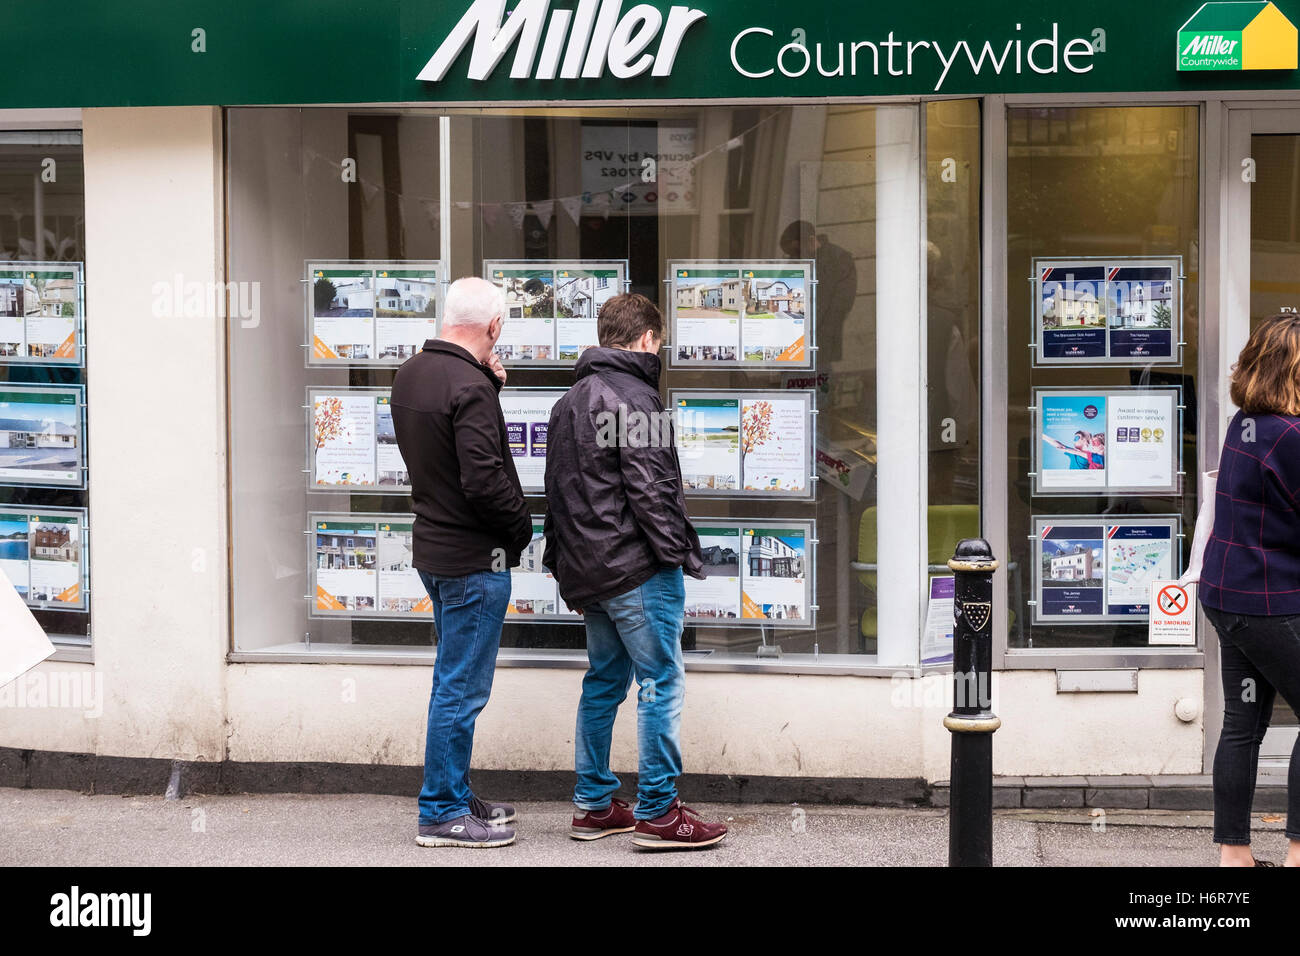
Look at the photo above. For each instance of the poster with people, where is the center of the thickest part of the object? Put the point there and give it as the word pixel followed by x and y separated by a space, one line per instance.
pixel 371 313
pixel 361 567
pixel 43 555
pixel 41 309
pixel 42 436
pixel 1108 441
pixel 741 313
pixel 745 443
pixel 1100 568
pixel 752 574
pixel 1108 311
pixel 551 306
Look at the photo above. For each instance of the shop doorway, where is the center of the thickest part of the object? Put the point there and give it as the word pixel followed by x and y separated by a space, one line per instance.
pixel 1263 277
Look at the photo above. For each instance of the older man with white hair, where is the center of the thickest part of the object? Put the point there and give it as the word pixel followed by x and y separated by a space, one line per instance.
pixel 471 524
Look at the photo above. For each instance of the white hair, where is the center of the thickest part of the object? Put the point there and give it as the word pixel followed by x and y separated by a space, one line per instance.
pixel 472 301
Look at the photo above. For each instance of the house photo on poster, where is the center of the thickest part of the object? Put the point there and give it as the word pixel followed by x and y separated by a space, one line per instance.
pixel 42 436
pixel 370 313
pixel 551 306
pixel 745 443
pixel 1100 568
pixel 43 556
pixel 742 313
pixel 1108 441
pixel 752 575
pixel 41 308
pixel 351 441
pixel 1108 311
pixel 534 592
pixel 361 567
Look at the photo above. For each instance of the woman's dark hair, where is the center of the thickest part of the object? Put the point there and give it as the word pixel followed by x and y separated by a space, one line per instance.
pixel 1266 377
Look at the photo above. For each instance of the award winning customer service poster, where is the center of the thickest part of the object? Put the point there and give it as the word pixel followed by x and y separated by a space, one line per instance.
pixel 745 443
pixel 1100 568
pixel 753 574
pixel 43 554
pixel 1108 311
pixel 551 306
pixel 352 445
pixel 748 313
pixel 42 436
pixel 370 313
pixel 1108 441
pixel 41 306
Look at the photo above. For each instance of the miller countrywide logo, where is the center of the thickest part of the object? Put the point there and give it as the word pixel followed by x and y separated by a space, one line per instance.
pixel 1237 36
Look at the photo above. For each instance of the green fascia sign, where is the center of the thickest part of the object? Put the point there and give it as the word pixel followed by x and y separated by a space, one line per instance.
pixel 245 52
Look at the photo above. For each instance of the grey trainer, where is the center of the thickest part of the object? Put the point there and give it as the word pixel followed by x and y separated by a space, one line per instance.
pixel 490 812
pixel 467 831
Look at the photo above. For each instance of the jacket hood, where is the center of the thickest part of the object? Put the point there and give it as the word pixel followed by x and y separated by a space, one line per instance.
pixel 597 360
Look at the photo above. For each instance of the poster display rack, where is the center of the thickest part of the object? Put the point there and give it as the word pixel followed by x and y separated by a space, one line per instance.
pixel 43 554
pixel 370 312
pixel 551 306
pixel 42 313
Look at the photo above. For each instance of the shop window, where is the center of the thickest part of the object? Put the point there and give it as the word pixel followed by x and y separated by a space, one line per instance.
pixel 43 498
pixel 775 207
pixel 1102 334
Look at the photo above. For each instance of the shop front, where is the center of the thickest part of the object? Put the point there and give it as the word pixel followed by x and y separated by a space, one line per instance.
pixel 929 274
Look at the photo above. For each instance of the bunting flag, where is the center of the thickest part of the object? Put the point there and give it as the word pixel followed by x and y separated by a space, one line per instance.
pixel 517 212
pixel 368 192
pixel 601 202
pixel 573 206
pixel 491 214
pixel 432 211
pixel 544 210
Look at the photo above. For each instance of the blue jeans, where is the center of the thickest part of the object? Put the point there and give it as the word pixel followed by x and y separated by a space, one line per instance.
pixel 469 612
pixel 639 633
pixel 1259 658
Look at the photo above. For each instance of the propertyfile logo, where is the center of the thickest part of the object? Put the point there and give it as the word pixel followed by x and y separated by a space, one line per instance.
pixel 1237 36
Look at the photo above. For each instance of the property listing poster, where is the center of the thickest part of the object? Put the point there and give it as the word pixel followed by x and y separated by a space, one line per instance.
pixel 936 645
pixel 41 435
pixel 1099 569
pixel 1107 311
pixel 775 577
pixel 534 593
pixel 371 313
pixel 752 575
pixel 362 567
pixel 717 597
pixel 528 413
pixel 1108 441
pixel 42 555
pixel 40 311
pixel 741 313
pixel 551 307
pixel 751 443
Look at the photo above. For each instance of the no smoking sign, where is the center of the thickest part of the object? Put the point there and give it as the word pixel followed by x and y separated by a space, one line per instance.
pixel 1173 614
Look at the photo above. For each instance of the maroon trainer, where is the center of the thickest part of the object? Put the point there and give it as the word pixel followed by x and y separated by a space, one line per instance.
pixel 594 824
pixel 679 828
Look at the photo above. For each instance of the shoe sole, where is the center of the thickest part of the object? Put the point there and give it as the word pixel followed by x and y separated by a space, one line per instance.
pixel 598 834
pixel 469 845
pixel 658 844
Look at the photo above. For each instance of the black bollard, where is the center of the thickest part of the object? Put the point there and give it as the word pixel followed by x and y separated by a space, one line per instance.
pixel 972 722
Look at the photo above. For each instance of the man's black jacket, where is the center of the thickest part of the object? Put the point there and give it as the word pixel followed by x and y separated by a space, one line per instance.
pixel 616 513
pixel 470 512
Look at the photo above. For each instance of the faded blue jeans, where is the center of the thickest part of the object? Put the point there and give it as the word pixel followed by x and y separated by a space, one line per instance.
pixel 637 633
pixel 469 612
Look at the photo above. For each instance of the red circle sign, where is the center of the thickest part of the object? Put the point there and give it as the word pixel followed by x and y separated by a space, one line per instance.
pixel 1172 599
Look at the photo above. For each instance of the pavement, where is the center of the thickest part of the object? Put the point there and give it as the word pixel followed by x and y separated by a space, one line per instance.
pixel 65 828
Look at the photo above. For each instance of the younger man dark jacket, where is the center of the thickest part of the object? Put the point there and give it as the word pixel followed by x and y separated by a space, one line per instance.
pixel 616 512
pixel 470 510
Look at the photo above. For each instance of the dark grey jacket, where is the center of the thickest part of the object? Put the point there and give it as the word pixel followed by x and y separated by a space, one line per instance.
pixel 616 510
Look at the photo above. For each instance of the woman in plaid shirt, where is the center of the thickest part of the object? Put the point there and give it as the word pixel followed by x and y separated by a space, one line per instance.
pixel 1250 578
